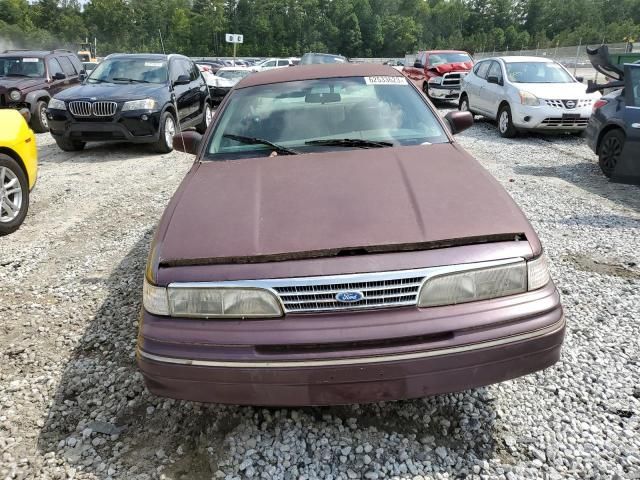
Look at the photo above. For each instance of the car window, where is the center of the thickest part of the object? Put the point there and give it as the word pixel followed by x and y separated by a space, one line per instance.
pixel 537 72
pixel 67 66
pixel 21 67
pixel 448 57
pixel 481 69
pixel 495 71
pixel 386 109
pixel 77 64
pixel 130 70
pixel 271 63
pixel 635 85
pixel 193 70
pixel 283 63
pixel 54 67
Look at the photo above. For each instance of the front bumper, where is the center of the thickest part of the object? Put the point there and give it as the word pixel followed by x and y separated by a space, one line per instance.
pixel 124 126
pixel 248 362
pixel 444 92
pixel 545 117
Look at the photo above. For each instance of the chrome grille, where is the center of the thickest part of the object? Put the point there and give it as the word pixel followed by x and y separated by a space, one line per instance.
pixel 97 109
pixel 453 79
pixel 584 102
pixel 80 109
pixel 104 109
pixel 376 294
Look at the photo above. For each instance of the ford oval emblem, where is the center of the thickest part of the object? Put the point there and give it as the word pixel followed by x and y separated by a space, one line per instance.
pixel 349 297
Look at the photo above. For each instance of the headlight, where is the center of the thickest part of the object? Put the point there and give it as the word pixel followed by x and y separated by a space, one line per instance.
pixel 155 299
pixel 205 302
pixel 529 99
pixel 57 104
pixel 15 95
pixel 538 272
pixel 144 104
pixel 437 80
pixel 473 285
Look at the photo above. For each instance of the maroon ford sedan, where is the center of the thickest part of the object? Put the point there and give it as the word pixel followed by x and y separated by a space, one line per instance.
pixel 333 244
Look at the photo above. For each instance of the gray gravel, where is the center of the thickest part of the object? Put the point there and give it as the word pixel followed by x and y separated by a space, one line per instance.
pixel 72 404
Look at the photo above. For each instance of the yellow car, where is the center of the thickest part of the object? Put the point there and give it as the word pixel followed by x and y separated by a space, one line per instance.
pixel 18 169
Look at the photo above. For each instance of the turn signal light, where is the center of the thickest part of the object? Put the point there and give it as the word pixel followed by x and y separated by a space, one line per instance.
pixel 599 103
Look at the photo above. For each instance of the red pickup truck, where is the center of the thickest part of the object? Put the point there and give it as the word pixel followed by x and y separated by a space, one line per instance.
pixel 440 72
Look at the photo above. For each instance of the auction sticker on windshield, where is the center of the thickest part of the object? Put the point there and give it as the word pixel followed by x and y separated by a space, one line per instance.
pixel 385 80
pixel 153 64
pixel 30 60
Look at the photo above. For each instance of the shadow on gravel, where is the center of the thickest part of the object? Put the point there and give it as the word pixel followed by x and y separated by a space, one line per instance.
pixel 588 176
pixel 102 421
pixel 96 153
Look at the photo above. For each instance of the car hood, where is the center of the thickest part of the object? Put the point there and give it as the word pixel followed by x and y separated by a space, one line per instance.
pixel 557 91
pixel 111 91
pixel 326 204
pixel 7 83
pixel 453 67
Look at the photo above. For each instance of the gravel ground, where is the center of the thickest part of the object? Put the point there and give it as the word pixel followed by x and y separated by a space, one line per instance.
pixel 72 404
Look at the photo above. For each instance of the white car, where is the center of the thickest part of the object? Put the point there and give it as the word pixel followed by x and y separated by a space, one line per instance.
pixel 527 93
pixel 271 63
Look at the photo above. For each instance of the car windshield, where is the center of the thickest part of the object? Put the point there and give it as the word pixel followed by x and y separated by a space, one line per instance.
pixel 537 72
pixel 130 70
pixel 311 58
pixel 441 58
pixel 324 114
pixel 21 67
pixel 236 75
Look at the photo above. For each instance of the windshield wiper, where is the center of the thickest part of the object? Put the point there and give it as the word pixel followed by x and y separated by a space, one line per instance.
pixel 349 142
pixel 130 80
pixel 260 141
pixel 16 75
pixel 97 80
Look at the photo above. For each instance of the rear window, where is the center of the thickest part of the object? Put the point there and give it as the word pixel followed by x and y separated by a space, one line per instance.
pixel 291 114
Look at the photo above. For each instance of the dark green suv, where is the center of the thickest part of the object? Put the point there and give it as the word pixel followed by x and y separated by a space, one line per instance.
pixel 28 80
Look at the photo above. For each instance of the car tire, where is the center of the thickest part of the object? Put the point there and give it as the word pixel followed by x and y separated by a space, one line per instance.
pixel 70 145
pixel 463 104
pixel 168 129
pixel 206 120
pixel 505 123
pixel 39 122
pixel 610 151
pixel 425 89
pixel 14 195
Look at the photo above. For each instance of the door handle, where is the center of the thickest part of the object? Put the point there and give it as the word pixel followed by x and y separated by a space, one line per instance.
pixel 635 125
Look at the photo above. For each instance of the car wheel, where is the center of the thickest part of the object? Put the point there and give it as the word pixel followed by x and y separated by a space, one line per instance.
pixel 463 105
pixel 14 195
pixel 206 119
pixel 167 132
pixel 425 89
pixel 70 145
pixel 39 122
pixel 610 151
pixel 505 123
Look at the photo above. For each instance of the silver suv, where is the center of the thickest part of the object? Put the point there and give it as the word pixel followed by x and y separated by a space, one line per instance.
pixel 527 93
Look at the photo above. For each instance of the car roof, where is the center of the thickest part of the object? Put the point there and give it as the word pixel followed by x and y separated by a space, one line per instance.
pixel 317 71
pixel 28 53
pixel 445 51
pixel 518 58
pixel 147 56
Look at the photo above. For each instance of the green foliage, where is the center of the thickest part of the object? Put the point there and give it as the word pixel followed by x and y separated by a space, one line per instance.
pixel 356 28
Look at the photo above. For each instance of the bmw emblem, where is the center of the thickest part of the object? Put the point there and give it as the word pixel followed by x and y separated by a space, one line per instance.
pixel 349 296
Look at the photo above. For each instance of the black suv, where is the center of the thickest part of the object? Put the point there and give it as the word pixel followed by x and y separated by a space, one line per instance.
pixel 28 79
pixel 139 98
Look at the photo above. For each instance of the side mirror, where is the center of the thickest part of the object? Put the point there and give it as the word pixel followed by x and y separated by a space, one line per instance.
pixel 82 76
pixel 187 142
pixel 493 79
pixel 418 64
pixel 182 80
pixel 59 76
pixel 580 79
pixel 458 121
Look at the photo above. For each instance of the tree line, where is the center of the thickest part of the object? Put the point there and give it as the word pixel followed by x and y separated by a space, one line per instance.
pixel 355 28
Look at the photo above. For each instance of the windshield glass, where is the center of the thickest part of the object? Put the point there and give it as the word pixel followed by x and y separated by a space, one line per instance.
pixel 124 70
pixel 312 58
pixel 441 58
pixel 292 114
pixel 21 67
pixel 537 72
pixel 235 75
